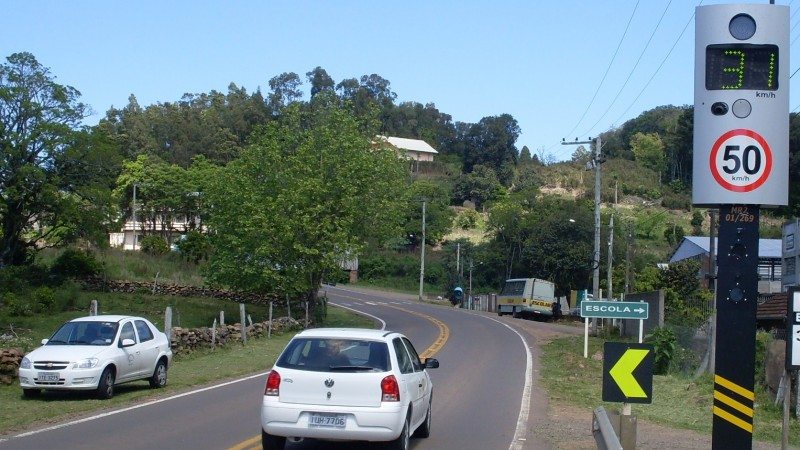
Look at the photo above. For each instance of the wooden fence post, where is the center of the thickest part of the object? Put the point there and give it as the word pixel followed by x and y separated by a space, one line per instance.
pixel 168 324
pixel 93 308
pixel 244 324
pixel 269 326
pixel 214 335
pixel 306 304
pixel 288 307
pixel 222 318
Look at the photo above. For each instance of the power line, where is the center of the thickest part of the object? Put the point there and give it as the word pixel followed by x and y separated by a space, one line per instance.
pixel 632 70
pixel 610 63
pixel 674 44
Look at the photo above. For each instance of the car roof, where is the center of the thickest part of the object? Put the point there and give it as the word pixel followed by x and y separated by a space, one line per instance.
pixel 104 318
pixel 350 333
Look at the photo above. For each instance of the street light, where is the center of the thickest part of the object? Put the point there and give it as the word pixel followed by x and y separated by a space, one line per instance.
pixel 422 258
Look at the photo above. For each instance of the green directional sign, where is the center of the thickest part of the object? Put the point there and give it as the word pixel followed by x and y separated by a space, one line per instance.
pixel 627 372
pixel 614 310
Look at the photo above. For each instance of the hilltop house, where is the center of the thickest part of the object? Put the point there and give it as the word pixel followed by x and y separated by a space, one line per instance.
pixel 130 237
pixel 415 150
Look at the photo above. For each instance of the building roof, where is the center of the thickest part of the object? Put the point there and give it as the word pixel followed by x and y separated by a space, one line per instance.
pixel 776 306
pixel 414 145
pixel 692 246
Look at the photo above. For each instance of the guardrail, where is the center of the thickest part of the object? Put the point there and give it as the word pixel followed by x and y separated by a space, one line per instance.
pixel 603 431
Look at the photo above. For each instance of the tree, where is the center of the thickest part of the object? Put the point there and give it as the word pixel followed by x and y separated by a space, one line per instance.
pixel 285 90
pixel 438 215
pixel 40 166
pixel 480 186
pixel 649 151
pixel 491 142
pixel 308 192
pixel 320 81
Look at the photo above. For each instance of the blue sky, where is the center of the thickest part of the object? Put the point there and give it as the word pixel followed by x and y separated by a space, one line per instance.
pixel 540 61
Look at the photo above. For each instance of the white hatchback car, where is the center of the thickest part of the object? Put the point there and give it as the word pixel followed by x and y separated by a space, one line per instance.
pixel 95 353
pixel 347 385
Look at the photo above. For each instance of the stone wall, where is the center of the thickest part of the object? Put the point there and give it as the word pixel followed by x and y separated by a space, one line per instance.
pixel 9 364
pixel 133 287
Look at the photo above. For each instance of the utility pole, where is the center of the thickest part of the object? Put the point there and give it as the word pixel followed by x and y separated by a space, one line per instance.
pixel 610 257
pixel 134 216
pixel 458 258
pixel 422 258
pixel 594 164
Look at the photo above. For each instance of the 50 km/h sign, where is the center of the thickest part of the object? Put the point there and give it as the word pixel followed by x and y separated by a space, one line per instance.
pixel 741 160
pixel 614 310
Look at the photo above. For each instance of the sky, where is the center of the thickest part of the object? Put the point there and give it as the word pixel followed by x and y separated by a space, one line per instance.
pixel 563 69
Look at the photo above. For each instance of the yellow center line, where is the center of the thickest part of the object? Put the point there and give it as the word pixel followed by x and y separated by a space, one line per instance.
pixel 254 443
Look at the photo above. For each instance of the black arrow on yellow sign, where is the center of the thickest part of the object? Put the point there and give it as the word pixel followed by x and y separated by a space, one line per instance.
pixel 627 372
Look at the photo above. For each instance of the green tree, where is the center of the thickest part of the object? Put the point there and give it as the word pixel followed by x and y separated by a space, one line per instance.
pixel 480 186
pixel 649 151
pixel 320 81
pixel 45 187
pixel 438 215
pixel 299 199
pixel 285 91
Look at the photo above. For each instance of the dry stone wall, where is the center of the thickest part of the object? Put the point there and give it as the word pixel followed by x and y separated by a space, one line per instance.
pixel 133 287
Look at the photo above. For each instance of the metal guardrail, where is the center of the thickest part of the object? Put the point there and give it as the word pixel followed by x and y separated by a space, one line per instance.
pixel 603 431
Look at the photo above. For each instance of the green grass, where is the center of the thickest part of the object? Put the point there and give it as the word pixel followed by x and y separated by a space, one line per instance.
pixel 678 401
pixel 187 371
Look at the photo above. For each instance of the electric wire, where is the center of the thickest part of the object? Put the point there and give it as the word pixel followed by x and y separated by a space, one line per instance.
pixel 674 44
pixel 646 46
pixel 610 64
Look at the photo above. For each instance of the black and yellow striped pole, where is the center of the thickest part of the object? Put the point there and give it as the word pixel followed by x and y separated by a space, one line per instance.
pixel 737 292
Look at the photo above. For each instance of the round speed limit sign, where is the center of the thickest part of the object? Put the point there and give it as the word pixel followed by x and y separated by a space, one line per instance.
pixel 741 160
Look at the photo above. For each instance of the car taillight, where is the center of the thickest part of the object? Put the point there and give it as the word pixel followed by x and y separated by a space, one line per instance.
pixel 390 390
pixel 273 384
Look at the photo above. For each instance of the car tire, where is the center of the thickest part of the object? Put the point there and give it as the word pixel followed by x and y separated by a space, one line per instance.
pixel 105 388
pixel 424 429
pixel 515 314
pixel 403 441
pixel 270 442
pixel 31 393
pixel 500 314
pixel 159 377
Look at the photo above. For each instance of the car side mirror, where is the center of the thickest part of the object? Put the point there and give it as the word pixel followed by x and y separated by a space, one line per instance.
pixel 45 341
pixel 431 363
pixel 127 343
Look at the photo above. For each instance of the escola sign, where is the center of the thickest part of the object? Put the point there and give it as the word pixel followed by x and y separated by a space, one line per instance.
pixel 614 310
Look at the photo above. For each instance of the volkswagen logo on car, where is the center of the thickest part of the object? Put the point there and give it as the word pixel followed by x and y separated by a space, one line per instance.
pixel 329 383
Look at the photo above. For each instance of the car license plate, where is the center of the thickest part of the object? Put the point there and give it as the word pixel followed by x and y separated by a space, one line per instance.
pixel 327 420
pixel 48 376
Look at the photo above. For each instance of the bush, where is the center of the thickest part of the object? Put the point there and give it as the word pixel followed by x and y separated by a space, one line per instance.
pixel 75 263
pixel 193 246
pixel 16 305
pixel 467 220
pixel 44 299
pixel 154 245
pixel 664 343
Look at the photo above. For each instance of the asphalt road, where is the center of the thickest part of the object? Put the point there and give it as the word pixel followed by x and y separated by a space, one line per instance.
pixel 480 400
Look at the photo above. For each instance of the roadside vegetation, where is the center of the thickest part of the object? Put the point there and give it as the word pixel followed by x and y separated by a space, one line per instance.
pixel 679 400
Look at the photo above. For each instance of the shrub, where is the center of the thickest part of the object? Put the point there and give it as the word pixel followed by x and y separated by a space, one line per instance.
pixel 193 246
pixel 75 263
pixel 154 245
pixel 467 220
pixel 664 343
pixel 44 299
pixel 16 305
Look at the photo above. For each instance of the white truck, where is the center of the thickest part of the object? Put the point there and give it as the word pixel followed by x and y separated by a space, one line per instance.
pixel 529 296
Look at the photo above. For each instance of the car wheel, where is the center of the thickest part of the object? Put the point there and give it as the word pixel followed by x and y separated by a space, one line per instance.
pixel 270 442
pixel 515 314
pixel 31 393
pixel 424 430
pixel 499 313
pixel 402 441
pixel 105 388
pixel 159 377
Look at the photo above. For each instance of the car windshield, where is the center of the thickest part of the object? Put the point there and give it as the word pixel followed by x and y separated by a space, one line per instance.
pixel 84 333
pixel 514 288
pixel 335 354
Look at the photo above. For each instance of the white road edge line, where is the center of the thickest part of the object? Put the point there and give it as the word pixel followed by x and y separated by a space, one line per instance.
pixel 524 408
pixel 130 408
pixel 173 397
pixel 383 323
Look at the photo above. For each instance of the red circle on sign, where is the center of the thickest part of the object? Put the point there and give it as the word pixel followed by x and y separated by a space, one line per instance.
pixel 767 156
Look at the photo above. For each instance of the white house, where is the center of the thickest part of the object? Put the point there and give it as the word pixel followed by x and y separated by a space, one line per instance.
pixel 413 149
pixel 130 237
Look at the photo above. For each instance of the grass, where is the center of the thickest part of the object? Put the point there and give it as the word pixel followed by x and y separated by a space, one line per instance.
pixel 187 371
pixel 678 401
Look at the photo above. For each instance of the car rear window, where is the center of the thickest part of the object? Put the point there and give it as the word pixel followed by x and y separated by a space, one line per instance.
pixel 332 354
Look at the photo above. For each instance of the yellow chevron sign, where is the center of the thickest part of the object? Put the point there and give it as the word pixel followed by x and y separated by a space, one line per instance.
pixel 627 372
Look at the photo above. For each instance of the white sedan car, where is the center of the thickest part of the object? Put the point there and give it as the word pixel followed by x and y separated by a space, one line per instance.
pixel 347 385
pixel 95 353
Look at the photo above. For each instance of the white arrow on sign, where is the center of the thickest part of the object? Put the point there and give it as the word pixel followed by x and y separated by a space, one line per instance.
pixel 640 310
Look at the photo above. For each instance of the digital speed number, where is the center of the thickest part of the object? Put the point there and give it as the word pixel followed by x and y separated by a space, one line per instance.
pixel 742 66
pixel 741 160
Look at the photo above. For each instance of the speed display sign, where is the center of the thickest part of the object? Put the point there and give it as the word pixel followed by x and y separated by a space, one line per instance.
pixel 741 105
pixel 741 160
